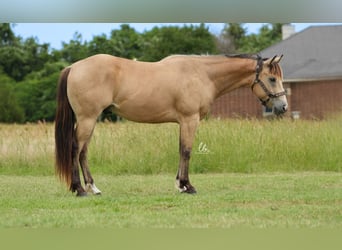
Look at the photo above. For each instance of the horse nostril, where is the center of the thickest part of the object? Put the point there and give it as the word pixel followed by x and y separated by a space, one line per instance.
pixel 285 108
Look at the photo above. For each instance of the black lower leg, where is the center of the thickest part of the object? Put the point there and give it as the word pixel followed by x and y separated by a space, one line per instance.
pixel 183 174
pixel 76 185
pixel 186 187
pixel 88 179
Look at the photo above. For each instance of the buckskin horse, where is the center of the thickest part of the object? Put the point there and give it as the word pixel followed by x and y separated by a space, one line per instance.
pixel 179 88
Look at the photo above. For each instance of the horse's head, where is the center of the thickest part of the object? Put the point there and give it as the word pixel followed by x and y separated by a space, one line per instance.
pixel 268 84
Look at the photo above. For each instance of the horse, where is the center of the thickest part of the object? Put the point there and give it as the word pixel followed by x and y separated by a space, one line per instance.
pixel 178 88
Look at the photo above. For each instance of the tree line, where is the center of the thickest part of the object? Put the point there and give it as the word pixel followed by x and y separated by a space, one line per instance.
pixel 29 70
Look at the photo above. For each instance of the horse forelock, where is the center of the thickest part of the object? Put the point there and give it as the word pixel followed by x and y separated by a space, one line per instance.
pixel 275 69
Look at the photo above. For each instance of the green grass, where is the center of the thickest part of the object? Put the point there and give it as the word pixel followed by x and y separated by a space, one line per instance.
pixel 300 200
pixel 235 146
pixel 243 146
pixel 254 174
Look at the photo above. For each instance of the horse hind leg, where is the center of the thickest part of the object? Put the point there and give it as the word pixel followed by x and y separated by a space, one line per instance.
pixel 90 186
pixel 85 128
pixel 76 185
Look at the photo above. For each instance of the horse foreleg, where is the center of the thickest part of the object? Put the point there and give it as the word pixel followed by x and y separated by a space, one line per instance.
pixel 187 134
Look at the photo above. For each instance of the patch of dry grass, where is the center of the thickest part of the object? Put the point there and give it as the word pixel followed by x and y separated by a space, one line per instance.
pixel 238 146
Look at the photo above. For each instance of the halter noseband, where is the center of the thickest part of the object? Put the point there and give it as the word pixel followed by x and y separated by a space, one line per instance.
pixel 257 80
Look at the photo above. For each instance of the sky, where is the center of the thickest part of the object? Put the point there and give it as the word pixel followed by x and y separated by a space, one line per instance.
pixel 56 33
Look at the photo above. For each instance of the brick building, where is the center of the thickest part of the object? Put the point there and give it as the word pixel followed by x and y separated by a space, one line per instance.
pixel 312 67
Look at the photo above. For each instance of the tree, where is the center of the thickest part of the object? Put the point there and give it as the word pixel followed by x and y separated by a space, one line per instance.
pixel 234 38
pixel 7 36
pixel 231 38
pixel 75 50
pixel 37 92
pixel 266 37
pixel 36 54
pixel 10 110
pixel 123 42
pixel 161 42
pixel 12 56
pixel 126 42
pixel 19 58
pixel 101 45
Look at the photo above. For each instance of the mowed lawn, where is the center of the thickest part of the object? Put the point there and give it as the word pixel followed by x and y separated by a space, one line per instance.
pixel 276 200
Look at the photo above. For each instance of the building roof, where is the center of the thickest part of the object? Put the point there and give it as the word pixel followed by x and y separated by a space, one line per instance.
pixel 312 54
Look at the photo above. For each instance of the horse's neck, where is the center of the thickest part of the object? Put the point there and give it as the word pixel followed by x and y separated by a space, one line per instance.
pixel 230 73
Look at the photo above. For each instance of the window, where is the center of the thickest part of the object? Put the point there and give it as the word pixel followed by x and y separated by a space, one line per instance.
pixel 267 112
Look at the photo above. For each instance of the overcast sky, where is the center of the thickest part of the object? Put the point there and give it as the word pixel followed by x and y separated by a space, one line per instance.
pixel 56 33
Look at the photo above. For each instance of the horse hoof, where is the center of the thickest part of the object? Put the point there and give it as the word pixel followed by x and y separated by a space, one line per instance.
pixel 81 194
pixel 187 189
pixel 190 190
pixel 91 188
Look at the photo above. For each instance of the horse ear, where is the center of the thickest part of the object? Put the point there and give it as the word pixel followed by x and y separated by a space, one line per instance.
pixel 279 58
pixel 275 59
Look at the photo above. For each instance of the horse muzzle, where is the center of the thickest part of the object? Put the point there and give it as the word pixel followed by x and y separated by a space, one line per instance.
pixel 279 106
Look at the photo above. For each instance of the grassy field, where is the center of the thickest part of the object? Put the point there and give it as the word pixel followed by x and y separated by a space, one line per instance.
pixel 301 200
pixel 254 174
pixel 235 146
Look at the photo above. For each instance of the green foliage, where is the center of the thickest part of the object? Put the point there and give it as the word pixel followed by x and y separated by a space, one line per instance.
pixel 19 58
pixel 37 54
pixel 161 42
pixel 126 42
pixel 37 93
pixel 75 50
pixel 234 38
pixel 7 36
pixel 10 110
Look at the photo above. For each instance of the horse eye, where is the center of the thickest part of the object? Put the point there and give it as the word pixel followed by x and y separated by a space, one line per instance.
pixel 272 79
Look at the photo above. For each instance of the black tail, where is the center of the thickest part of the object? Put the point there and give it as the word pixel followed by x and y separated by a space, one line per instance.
pixel 64 130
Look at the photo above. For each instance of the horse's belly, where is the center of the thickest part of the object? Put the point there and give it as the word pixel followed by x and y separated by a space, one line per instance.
pixel 151 113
